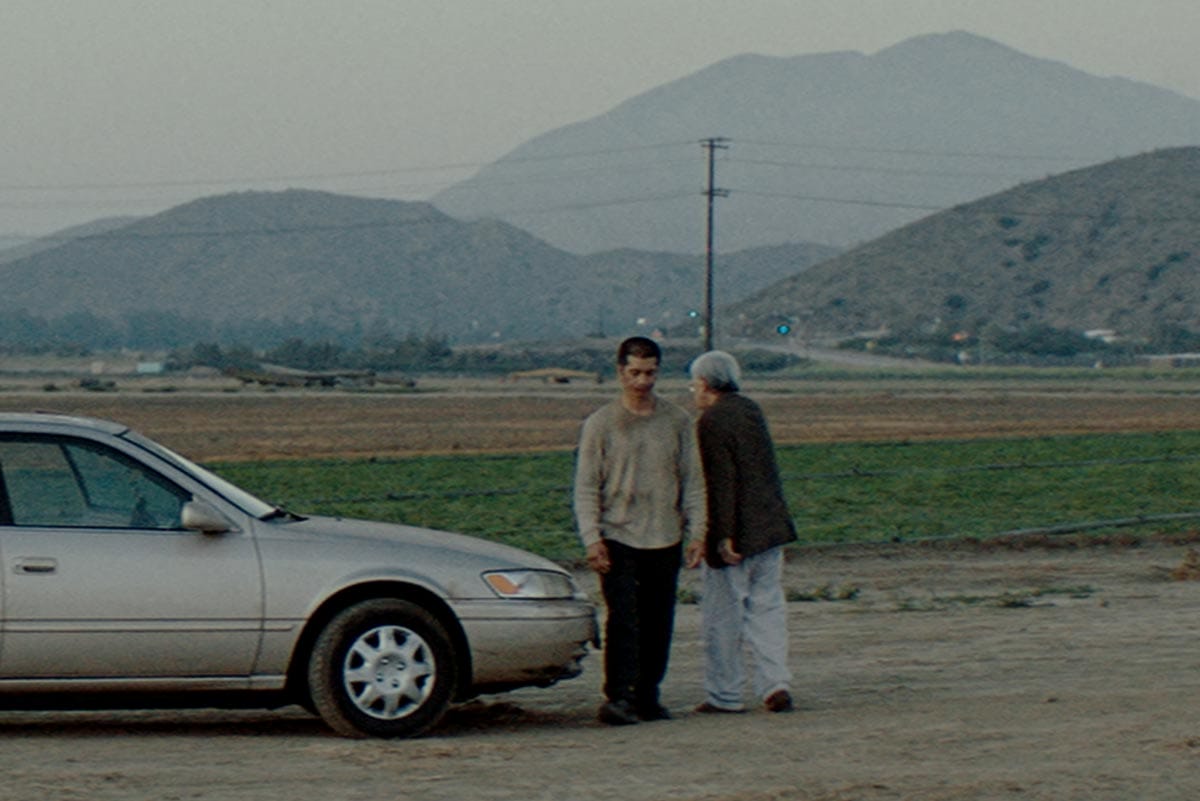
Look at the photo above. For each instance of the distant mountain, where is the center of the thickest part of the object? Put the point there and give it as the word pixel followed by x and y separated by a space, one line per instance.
pixel 1116 246
pixel 37 245
pixel 305 261
pixel 835 147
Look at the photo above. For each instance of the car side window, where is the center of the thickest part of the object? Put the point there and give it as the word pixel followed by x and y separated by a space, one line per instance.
pixel 75 483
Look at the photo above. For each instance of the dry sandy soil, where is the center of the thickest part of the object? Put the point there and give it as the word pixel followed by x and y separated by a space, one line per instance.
pixel 496 417
pixel 953 675
pixel 968 673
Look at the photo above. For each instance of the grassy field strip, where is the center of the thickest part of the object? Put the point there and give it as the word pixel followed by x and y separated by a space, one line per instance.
pixel 839 493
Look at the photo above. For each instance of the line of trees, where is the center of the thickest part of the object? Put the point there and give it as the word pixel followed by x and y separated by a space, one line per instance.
pixel 434 354
pixel 1035 345
pixel 313 346
pixel 383 354
pixel 87 332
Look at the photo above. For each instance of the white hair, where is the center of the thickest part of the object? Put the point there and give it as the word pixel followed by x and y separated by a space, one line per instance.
pixel 718 370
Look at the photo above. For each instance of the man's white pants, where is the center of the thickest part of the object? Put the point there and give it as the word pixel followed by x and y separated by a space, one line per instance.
pixel 743 605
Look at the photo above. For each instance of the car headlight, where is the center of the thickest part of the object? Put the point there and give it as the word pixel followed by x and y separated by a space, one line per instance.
pixel 530 584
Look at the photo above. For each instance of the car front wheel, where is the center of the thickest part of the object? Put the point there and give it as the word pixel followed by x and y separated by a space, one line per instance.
pixel 382 668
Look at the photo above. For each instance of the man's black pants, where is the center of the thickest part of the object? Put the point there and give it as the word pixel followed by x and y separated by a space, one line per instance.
pixel 639 591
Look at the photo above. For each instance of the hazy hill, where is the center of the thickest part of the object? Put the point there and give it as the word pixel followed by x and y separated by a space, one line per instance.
pixel 834 147
pixel 37 245
pixel 301 261
pixel 1116 246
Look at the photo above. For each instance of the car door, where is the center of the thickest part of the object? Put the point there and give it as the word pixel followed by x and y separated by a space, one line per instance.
pixel 100 578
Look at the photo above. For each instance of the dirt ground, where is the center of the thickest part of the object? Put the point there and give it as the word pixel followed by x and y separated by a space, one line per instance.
pixel 944 673
pixel 212 426
pixel 973 675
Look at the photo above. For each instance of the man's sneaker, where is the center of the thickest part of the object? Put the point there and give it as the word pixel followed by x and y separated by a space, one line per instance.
pixel 779 701
pixel 617 713
pixel 655 711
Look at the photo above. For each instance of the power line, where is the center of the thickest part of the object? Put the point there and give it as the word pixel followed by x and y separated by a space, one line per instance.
pixel 123 234
pixel 291 230
pixel 516 160
pixel 841 200
pixel 547 177
pixel 799 165
pixel 596 204
pixel 903 151
pixel 329 176
pixel 318 228
pixel 584 205
pixel 969 207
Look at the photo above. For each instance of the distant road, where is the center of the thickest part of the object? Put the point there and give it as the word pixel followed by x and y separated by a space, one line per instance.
pixel 850 358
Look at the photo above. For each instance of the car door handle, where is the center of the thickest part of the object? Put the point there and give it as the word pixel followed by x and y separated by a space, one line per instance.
pixel 36 565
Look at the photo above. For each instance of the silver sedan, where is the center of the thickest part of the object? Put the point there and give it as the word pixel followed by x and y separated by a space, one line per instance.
pixel 132 577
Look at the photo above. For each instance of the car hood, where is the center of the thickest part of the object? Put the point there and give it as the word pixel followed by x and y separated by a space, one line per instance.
pixel 346 534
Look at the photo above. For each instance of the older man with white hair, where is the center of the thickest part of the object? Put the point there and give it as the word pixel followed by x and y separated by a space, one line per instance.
pixel 742 556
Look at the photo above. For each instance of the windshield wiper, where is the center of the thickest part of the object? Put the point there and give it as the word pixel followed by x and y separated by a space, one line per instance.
pixel 279 513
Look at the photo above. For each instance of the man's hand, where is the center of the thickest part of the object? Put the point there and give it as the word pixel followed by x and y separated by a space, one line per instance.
pixel 693 555
pixel 728 554
pixel 597 557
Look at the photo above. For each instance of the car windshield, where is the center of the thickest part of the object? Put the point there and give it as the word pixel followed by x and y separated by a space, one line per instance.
pixel 234 494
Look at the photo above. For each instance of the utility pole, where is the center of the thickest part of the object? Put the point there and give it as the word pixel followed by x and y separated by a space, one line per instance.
pixel 712 145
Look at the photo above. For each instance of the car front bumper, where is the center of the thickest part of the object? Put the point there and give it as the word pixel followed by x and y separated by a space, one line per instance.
pixel 526 643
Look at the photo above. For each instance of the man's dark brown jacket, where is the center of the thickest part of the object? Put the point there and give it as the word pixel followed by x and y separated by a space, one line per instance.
pixel 745 496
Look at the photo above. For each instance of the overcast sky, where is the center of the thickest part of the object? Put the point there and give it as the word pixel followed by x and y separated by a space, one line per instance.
pixel 114 107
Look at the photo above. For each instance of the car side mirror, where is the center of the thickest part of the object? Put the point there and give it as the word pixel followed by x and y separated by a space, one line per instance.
pixel 201 516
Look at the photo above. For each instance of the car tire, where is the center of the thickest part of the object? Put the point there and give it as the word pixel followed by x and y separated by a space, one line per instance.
pixel 382 668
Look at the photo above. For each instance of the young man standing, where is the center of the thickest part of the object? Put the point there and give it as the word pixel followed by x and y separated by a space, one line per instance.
pixel 748 523
pixel 639 494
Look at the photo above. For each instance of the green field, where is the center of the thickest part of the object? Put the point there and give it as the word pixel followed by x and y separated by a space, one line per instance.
pixel 838 493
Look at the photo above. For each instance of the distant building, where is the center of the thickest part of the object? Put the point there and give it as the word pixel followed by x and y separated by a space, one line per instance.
pixel 1174 360
pixel 1105 335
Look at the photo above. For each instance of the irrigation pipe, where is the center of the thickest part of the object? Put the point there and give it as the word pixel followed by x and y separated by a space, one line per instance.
pixel 1120 522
